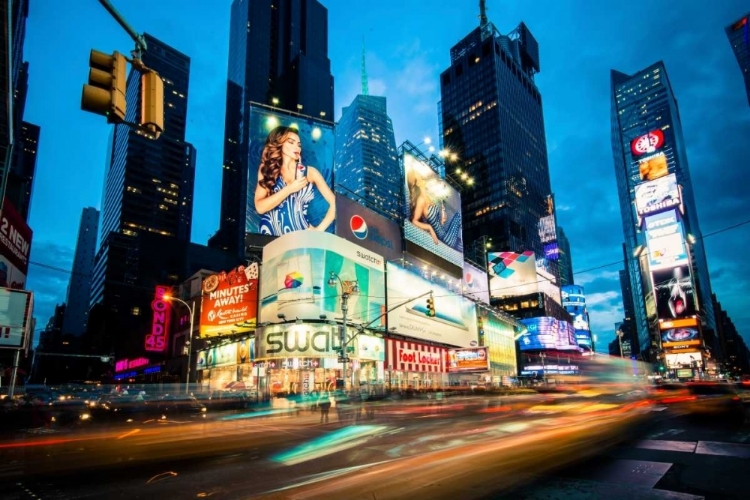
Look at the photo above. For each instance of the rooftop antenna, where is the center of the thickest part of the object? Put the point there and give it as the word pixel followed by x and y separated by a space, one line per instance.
pixel 482 13
pixel 365 90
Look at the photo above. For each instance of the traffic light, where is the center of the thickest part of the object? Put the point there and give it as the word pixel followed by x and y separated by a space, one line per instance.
pixel 430 307
pixel 152 103
pixel 105 92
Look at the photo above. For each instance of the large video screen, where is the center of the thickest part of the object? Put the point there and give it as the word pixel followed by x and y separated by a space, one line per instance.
pixel 675 294
pixel 454 322
pixel 512 274
pixel 470 359
pixel 295 274
pixel 665 240
pixel 229 302
pixel 432 211
pixel 657 195
pixel 290 178
pixel 364 227
pixel 547 333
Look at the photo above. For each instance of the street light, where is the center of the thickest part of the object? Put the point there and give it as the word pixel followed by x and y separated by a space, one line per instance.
pixel 191 309
pixel 347 288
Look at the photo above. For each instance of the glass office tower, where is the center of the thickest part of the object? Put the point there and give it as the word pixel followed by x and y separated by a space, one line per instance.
pixel 366 162
pixel 278 56
pixel 643 105
pixel 491 118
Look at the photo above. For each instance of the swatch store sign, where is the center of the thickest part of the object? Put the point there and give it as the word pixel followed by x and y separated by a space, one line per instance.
pixel 301 341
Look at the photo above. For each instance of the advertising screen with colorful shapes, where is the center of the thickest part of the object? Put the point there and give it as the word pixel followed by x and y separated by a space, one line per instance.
pixel 512 273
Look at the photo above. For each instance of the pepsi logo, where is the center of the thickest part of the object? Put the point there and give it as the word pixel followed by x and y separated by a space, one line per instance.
pixel 358 226
pixel 473 343
pixel 469 279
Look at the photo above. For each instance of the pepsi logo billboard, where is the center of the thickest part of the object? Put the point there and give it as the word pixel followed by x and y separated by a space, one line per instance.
pixel 360 225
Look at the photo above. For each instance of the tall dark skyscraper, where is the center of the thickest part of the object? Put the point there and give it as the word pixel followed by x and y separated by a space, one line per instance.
pixel 79 288
pixel 491 117
pixel 148 196
pixel 565 258
pixel 739 37
pixel 647 144
pixel 366 161
pixel 18 163
pixel 278 55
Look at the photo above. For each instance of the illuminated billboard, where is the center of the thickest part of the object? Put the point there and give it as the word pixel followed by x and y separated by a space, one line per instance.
pixel 547 333
pixel 583 338
pixel 665 240
pixel 230 302
pixel 454 322
pixel 680 333
pixel 653 167
pixel 290 175
pixel 647 143
pixel 15 246
pixel 675 295
pixel 547 230
pixel 472 359
pixel 156 340
pixel 475 283
pixel 16 309
pixel 432 211
pixel 512 274
pixel 295 274
pixel 657 196
pixel 364 227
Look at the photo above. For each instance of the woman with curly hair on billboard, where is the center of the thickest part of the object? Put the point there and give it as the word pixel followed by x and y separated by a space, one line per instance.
pixel 286 187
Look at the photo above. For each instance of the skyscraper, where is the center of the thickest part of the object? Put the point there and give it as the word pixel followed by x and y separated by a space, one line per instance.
pixel 148 195
pixel 278 55
pixel 366 162
pixel 77 303
pixel 20 183
pixel 491 118
pixel 647 144
pixel 739 37
pixel 565 258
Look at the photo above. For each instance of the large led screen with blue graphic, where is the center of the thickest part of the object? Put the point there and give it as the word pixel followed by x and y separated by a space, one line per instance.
pixel 292 155
pixel 665 239
pixel 295 274
pixel 547 333
pixel 455 321
pixel 432 211
pixel 363 227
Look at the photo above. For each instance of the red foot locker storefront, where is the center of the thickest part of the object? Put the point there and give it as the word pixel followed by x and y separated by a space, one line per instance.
pixel 414 365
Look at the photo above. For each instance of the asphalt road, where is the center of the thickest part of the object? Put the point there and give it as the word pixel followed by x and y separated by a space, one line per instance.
pixel 467 448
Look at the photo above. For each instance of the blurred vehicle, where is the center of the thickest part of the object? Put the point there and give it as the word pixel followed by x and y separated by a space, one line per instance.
pixel 178 404
pixel 708 398
pixel 224 400
pixel 69 412
pixel 670 393
pixel 118 408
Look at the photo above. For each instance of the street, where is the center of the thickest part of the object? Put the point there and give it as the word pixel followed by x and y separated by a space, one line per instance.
pixel 468 448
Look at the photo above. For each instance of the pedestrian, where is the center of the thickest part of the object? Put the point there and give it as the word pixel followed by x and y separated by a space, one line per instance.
pixel 325 404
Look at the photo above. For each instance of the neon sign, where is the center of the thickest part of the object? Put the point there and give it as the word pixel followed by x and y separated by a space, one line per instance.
pixel 125 364
pixel 156 341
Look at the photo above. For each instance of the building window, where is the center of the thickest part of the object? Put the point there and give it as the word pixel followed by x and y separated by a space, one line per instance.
pixel 135 311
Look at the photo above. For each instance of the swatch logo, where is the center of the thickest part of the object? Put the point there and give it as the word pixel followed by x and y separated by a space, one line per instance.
pixel 358 226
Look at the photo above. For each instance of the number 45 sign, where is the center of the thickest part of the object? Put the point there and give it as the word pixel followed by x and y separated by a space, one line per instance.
pixel 157 339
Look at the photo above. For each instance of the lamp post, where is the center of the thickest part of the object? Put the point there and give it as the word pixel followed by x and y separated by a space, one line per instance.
pixel 191 310
pixel 347 289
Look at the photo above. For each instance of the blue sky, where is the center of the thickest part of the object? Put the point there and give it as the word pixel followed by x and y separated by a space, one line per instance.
pixel 408 44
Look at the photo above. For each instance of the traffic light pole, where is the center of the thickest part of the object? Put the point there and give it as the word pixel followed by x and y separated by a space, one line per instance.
pixel 140 42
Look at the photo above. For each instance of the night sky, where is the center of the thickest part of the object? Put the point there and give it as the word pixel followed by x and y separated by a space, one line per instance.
pixel 407 46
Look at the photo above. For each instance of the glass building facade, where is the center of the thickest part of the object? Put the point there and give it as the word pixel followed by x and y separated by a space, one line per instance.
pixel 278 56
pixel 565 258
pixel 739 37
pixel 491 118
pixel 641 103
pixel 366 163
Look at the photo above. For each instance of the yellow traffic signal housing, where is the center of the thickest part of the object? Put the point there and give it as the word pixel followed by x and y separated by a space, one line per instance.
pixel 152 103
pixel 430 307
pixel 105 92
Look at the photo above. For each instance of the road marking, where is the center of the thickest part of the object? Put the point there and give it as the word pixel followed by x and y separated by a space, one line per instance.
pixel 723 449
pixel 666 445
pixel 670 432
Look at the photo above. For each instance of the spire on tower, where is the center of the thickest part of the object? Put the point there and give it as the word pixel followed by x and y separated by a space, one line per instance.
pixel 365 90
pixel 482 13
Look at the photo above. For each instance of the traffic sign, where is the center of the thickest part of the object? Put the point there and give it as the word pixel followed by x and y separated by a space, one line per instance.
pixel 343 360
